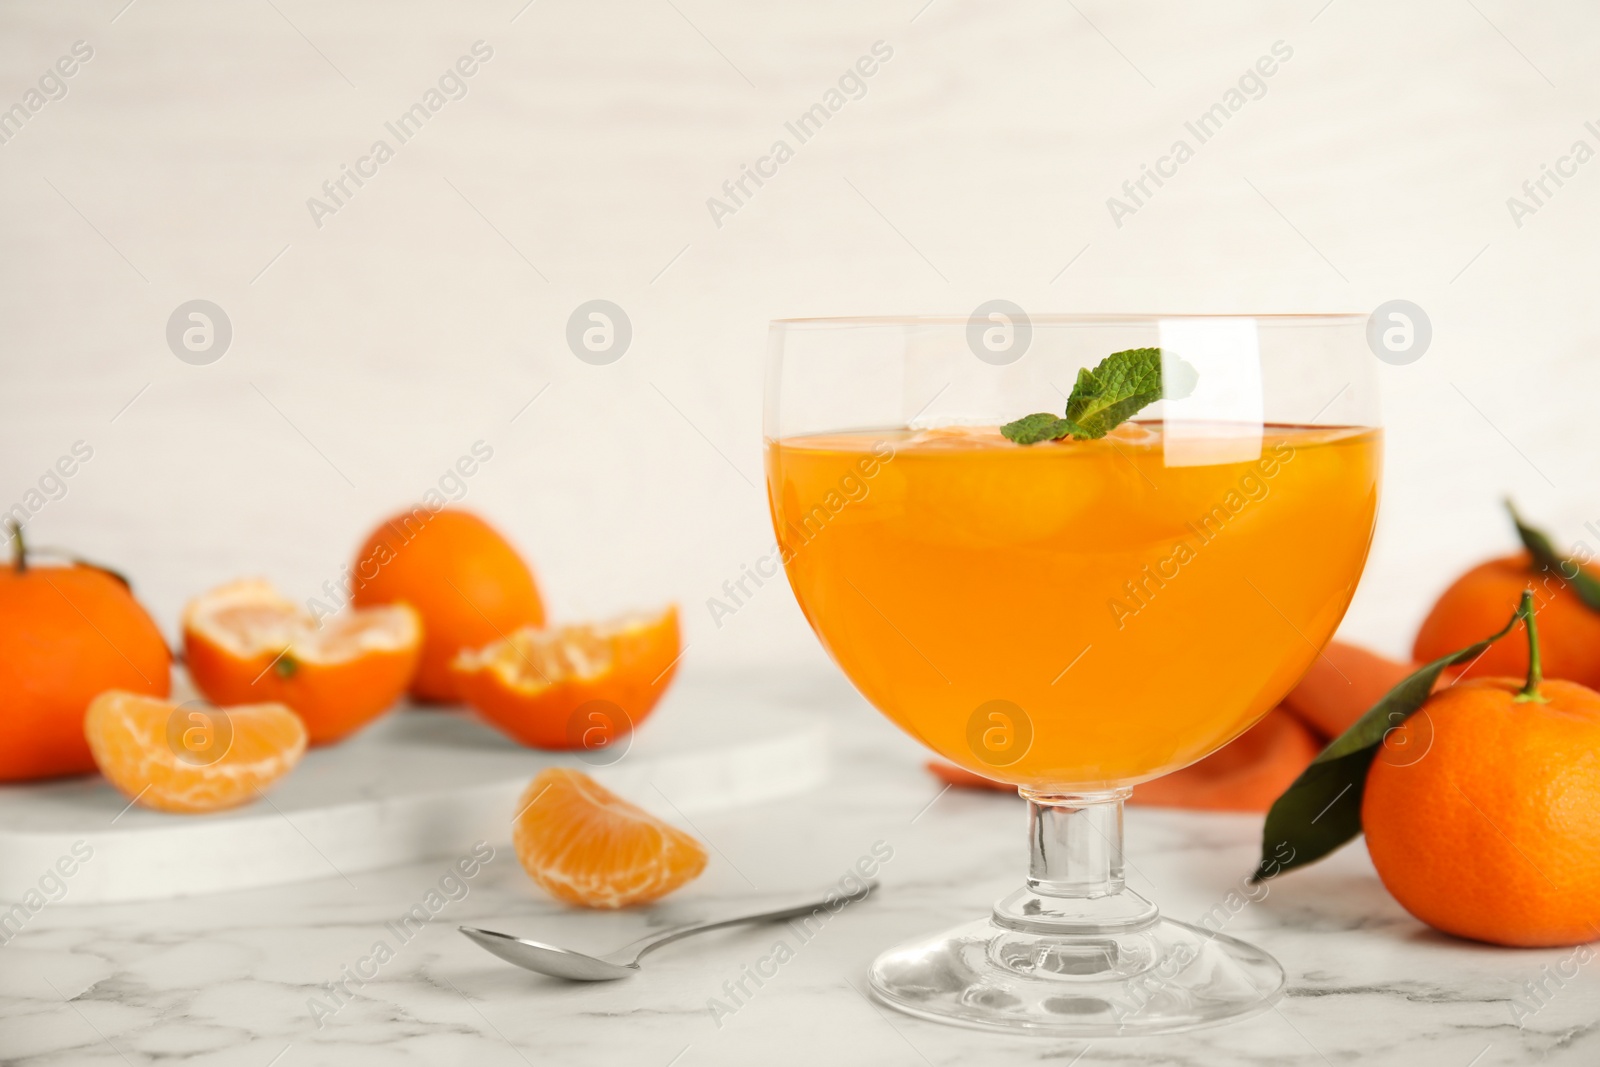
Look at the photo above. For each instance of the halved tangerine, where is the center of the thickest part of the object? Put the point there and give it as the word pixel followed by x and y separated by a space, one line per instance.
pixel 191 758
pixel 538 686
pixel 245 643
pixel 587 846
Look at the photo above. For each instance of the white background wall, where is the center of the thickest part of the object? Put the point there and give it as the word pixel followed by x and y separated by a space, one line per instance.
pixel 429 310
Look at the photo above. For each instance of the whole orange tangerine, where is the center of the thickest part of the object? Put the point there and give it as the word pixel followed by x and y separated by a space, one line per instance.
pixel 1478 602
pixel 66 634
pixel 1490 833
pixel 464 579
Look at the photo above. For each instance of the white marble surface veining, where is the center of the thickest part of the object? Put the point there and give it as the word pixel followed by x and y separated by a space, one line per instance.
pixel 234 979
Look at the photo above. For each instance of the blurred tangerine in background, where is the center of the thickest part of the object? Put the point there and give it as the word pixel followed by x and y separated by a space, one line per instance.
pixel 1477 604
pixel 244 643
pixel 464 579
pixel 531 684
pixel 67 632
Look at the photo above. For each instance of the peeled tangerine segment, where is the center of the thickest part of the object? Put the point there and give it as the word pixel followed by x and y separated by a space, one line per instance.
pixel 191 758
pixel 587 846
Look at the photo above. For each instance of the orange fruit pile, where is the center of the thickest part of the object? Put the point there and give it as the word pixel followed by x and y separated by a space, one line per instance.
pixel 190 758
pixel 464 579
pixel 1492 833
pixel 441 606
pixel 244 643
pixel 534 684
pixel 587 846
pixel 66 634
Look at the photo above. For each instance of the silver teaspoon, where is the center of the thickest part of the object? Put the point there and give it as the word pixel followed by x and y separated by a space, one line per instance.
pixel 579 967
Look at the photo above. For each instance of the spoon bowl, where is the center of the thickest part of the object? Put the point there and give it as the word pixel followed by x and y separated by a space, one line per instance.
pixel 548 959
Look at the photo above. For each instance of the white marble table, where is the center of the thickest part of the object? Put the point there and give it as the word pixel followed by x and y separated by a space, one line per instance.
pixel 226 979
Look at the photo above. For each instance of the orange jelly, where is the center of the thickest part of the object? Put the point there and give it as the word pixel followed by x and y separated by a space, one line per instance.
pixel 1074 615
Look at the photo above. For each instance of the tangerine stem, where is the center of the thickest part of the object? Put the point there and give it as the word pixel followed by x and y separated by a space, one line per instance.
pixel 1530 689
pixel 19 555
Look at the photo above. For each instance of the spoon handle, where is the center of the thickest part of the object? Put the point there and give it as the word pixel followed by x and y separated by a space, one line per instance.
pixel 630 954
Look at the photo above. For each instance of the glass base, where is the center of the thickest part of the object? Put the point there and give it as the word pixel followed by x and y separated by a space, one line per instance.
pixel 1132 974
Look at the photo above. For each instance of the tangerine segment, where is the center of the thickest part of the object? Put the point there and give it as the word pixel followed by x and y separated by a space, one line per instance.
pixel 535 685
pixel 587 846
pixel 245 643
pixel 201 760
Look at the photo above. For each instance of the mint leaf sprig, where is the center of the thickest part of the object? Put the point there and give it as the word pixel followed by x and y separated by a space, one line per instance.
pixel 1107 396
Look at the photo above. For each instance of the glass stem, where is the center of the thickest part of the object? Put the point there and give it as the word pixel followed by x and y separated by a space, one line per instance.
pixel 1075 843
pixel 1075 882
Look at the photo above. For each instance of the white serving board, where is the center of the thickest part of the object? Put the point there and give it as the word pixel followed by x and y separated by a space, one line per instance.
pixel 417 784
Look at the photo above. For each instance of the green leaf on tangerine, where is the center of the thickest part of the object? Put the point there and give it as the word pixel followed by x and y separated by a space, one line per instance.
pixel 1546 558
pixel 1321 809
